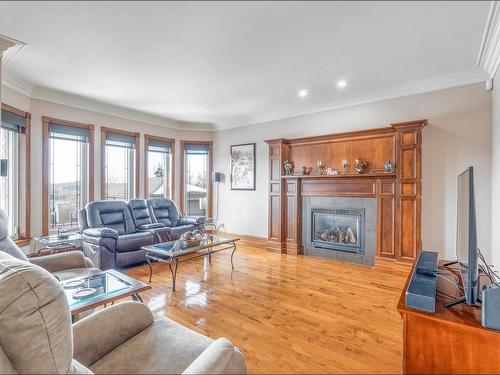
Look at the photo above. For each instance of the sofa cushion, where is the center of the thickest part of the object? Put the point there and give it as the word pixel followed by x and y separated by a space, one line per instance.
pixel 110 214
pixel 134 241
pixel 177 232
pixel 163 211
pixel 163 347
pixel 140 212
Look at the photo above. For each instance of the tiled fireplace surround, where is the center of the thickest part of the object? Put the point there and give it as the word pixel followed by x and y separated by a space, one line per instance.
pixel 370 227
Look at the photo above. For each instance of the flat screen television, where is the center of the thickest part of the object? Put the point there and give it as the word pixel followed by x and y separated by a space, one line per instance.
pixel 467 253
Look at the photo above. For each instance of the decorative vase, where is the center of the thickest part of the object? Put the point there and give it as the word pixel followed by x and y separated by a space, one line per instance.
pixel 389 166
pixel 360 165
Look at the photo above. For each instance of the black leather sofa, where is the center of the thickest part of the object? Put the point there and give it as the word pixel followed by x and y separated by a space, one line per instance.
pixel 113 232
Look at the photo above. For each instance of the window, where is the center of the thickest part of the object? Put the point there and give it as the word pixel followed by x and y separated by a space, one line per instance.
pixel 196 196
pixel 158 166
pixel 14 156
pixel 120 164
pixel 68 172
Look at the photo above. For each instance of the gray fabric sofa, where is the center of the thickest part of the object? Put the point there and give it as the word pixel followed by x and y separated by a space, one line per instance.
pixel 113 232
pixel 64 266
pixel 38 337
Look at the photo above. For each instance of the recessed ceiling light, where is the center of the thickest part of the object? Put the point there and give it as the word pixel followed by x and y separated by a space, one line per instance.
pixel 341 84
pixel 303 93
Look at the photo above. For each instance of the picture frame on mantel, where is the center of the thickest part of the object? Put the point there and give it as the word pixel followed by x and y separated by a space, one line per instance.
pixel 243 166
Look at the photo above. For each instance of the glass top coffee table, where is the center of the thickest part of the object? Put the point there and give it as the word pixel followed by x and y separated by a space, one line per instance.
pixel 90 292
pixel 56 243
pixel 178 251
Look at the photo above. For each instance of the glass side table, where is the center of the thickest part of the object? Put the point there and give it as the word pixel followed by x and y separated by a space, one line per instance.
pixel 84 294
pixel 56 244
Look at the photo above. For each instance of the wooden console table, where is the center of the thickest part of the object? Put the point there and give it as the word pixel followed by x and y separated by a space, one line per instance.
pixel 449 341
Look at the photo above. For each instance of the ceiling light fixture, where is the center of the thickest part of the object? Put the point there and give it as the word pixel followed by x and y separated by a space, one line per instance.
pixel 341 84
pixel 303 93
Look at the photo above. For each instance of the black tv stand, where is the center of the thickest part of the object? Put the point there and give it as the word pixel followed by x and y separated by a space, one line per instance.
pixel 450 263
pixel 461 300
pixel 455 302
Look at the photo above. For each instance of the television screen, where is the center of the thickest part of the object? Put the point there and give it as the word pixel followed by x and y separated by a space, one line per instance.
pixel 466 236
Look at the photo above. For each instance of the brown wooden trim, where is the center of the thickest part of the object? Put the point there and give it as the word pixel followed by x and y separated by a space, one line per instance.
pixel 15 110
pixel 22 242
pixel 74 124
pixel 119 131
pixel 46 121
pixel 147 138
pixel 357 135
pixel 244 237
pixel 25 232
pixel 182 176
pixel 104 131
pixel 398 194
pixel 409 124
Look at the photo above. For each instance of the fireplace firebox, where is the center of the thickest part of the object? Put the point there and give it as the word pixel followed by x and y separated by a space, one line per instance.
pixel 338 229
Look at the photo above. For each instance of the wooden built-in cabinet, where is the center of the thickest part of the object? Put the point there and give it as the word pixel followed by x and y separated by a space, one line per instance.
pixel 398 194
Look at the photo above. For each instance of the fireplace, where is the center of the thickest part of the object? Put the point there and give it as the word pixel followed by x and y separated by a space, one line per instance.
pixel 338 229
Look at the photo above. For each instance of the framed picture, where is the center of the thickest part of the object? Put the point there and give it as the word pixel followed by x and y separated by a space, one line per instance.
pixel 243 167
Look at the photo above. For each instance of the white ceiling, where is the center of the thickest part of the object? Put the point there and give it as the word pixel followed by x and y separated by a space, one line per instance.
pixel 237 63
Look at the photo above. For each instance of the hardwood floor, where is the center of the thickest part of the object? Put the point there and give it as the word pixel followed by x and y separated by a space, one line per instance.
pixel 288 314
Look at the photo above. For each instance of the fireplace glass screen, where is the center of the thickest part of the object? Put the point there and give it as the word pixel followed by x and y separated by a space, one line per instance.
pixel 338 229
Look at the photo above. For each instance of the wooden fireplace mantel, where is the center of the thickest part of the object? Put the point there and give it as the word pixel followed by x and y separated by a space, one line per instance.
pixel 398 194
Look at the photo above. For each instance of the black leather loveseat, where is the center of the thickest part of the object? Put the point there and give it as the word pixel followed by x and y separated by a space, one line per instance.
pixel 113 232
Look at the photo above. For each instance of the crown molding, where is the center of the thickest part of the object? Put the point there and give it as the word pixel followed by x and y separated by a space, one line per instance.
pixel 393 91
pixel 17 84
pixel 80 102
pixel 6 43
pixel 489 53
pixel 401 89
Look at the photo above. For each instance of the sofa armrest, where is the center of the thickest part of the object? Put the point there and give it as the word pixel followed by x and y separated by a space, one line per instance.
pixel 98 334
pixel 61 262
pixel 146 227
pixel 89 263
pixel 221 357
pixel 191 220
pixel 100 232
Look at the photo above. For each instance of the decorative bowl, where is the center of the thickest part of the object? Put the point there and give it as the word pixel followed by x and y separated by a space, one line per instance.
pixel 192 243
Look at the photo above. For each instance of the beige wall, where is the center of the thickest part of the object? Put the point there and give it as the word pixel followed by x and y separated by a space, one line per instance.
pixel 458 136
pixel 39 108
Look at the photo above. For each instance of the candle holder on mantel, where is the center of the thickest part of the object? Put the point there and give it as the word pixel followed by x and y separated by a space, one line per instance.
pixel 344 166
pixel 321 167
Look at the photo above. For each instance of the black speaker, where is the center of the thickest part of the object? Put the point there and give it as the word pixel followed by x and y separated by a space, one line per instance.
pixel 4 167
pixel 216 177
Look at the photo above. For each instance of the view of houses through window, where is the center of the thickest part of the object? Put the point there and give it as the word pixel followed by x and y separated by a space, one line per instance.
pixel 119 167
pixel 159 169
pixel 68 175
pixel 196 179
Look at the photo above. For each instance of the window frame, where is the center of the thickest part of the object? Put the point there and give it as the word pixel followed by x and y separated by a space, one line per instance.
pixel 137 136
pixel 46 157
pixel 183 176
pixel 24 233
pixel 147 138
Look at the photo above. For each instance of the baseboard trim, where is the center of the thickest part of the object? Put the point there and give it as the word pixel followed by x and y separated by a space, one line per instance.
pixel 243 236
